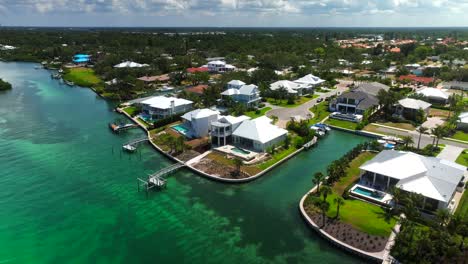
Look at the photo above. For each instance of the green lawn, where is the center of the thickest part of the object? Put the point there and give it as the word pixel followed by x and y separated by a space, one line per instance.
pixel 253 114
pixel 463 158
pixel 342 123
pixel 132 110
pixel 284 103
pixel 83 77
pixel 363 216
pixel 460 135
pixel 320 112
pixel 462 208
pixel 375 129
pixel 352 173
pixel 276 157
pixel 406 126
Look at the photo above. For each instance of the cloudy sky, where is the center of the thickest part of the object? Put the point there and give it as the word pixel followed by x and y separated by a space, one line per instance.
pixel 242 13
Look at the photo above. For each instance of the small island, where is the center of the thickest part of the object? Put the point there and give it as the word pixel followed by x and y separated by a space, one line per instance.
pixel 5 85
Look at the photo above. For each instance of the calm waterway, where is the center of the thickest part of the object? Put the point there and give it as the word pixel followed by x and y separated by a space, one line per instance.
pixel 66 197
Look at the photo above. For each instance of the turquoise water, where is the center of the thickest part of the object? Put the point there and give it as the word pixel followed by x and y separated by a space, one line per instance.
pixel 367 193
pixel 181 129
pixel 68 194
pixel 241 151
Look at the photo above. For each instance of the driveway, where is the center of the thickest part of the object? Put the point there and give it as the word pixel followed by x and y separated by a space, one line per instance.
pixel 285 114
pixel 432 122
pixel 450 153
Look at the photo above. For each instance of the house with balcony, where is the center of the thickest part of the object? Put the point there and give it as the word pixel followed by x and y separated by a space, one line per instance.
pixel 160 107
pixel 235 84
pixel 218 66
pixel 222 129
pixel 437 180
pixel 359 99
pixel 248 95
pixel 198 122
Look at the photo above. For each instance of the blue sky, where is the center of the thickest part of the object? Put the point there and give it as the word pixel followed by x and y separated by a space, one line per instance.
pixel 242 13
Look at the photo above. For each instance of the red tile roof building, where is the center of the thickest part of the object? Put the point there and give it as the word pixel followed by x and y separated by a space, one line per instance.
pixel 197 89
pixel 416 79
pixel 199 69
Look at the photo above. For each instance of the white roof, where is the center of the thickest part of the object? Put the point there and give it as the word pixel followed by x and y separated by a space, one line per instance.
pixel 291 87
pixel 130 64
pixel 216 62
pixel 432 177
pixel 199 113
pixel 414 104
pixel 233 119
pixel 244 89
pixel 259 129
pixel 463 118
pixel 236 82
pixel 433 92
pixel 309 79
pixel 162 102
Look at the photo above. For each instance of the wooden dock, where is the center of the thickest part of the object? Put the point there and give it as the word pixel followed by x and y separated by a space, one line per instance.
pixel 157 179
pixel 310 144
pixel 131 146
pixel 117 128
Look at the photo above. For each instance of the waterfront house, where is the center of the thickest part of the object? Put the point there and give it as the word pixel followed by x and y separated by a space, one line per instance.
pixel 245 94
pixel 434 95
pixel 435 179
pixel 218 66
pixel 198 121
pixel 222 129
pixel 159 107
pixel 408 108
pixel 359 99
pixel 258 134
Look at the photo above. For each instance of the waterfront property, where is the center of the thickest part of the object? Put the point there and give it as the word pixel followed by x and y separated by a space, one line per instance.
pixel 198 122
pixel 433 178
pixel 159 107
pixel 222 129
pixel 359 99
pixel 248 95
pixel 81 58
pixel 258 134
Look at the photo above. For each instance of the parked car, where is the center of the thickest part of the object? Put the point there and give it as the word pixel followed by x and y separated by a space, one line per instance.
pixel 319 100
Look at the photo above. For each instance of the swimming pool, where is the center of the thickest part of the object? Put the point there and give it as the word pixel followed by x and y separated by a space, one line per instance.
pixel 241 151
pixel 369 193
pixel 181 129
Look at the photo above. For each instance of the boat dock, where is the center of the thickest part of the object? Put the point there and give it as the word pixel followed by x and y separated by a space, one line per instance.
pixel 310 144
pixel 157 179
pixel 116 128
pixel 131 146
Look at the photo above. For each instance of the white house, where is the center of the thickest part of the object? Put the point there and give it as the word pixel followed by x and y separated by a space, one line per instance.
pixel 130 64
pixel 245 94
pixel 435 179
pixel 434 94
pixel 258 134
pixel 199 121
pixel 159 107
pixel 235 84
pixel 310 81
pixel 291 87
pixel 463 121
pixel 219 66
pixel 408 107
pixel 222 129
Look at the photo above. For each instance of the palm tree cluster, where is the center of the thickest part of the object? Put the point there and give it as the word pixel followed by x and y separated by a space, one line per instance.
pixel 435 241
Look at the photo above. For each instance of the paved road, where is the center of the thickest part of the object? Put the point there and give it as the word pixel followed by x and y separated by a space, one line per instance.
pixel 285 114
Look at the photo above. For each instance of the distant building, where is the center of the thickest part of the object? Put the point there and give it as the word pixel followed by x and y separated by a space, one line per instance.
pixel 130 64
pixel 218 66
pixel 463 121
pixel 235 84
pixel 198 69
pixel 159 107
pixel 416 79
pixel 456 85
pixel 197 89
pixel 434 95
pixel 159 78
pixel 245 94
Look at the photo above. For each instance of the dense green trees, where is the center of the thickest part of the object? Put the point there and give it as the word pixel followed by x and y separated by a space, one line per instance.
pixel 4 85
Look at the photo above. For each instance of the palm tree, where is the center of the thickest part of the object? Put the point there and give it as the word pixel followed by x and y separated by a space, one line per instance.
pixel 318 178
pixel 324 206
pixel 238 163
pixel 339 202
pixel 326 190
pixel 407 140
pixel 421 130
pixel 442 217
pixel 439 132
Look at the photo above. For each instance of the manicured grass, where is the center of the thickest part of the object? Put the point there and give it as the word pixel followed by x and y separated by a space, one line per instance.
pixel 375 129
pixel 320 112
pixel 352 173
pixel 143 122
pixel 276 157
pixel 132 110
pixel 284 103
pixel 460 135
pixel 463 158
pixel 363 216
pixel 439 112
pixel 262 112
pixel 342 123
pixel 462 208
pixel 83 77
pixel 406 126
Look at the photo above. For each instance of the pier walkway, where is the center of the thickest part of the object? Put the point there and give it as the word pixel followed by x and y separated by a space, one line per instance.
pixel 157 179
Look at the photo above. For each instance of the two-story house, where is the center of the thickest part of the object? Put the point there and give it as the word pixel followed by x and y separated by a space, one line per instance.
pixel 222 129
pixel 246 94
pixel 359 99
pixel 160 107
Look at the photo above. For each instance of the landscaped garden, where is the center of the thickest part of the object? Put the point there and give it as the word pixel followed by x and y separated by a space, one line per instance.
pixel 320 111
pixel 341 123
pixel 257 113
pixel 460 135
pixel 132 110
pixel 462 159
pixel 82 77
pixel 290 104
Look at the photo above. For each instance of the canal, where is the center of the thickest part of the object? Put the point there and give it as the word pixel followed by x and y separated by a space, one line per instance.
pixel 68 195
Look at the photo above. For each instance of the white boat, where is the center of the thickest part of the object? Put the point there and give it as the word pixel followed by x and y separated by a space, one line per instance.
pixel 318 131
pixel 129 148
